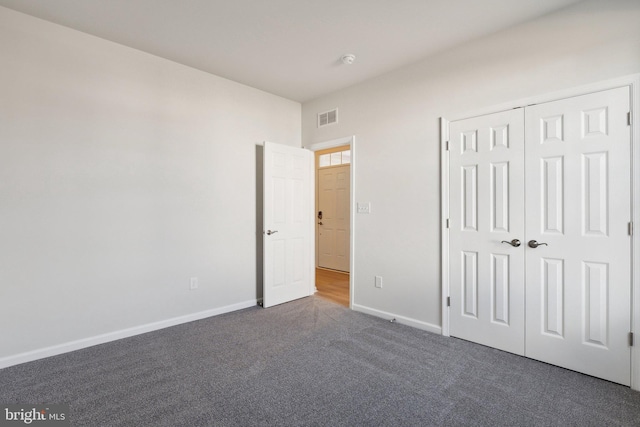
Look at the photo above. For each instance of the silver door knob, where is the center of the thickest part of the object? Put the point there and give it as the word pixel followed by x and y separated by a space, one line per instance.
pixel 515 243
pixel 269 232
pixel 533 244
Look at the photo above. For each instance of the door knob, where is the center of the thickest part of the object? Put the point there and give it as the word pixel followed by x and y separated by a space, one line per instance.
pixel 533 244
pixel 320 223
pixel 515 243
pixel 269 232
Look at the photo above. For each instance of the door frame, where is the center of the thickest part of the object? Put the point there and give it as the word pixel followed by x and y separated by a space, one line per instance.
pixel 633 82
pixel 351 142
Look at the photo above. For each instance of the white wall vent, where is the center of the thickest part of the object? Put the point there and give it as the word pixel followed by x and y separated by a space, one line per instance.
pixel 328 118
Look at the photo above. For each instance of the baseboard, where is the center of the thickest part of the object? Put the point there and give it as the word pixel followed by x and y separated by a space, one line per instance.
pixel 400 319
pixel 55 350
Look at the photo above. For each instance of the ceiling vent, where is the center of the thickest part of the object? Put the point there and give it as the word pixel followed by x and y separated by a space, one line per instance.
pixel 328 118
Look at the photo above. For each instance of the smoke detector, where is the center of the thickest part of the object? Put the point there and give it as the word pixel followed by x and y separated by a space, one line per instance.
pixel 348 58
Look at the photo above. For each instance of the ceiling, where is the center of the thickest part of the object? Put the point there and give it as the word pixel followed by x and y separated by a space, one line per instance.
pixel 291 48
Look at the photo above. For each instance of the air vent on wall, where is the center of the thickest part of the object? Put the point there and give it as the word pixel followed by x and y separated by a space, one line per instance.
pixel 328 118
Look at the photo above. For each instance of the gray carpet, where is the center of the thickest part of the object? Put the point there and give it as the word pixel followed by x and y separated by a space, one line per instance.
pixel 311 362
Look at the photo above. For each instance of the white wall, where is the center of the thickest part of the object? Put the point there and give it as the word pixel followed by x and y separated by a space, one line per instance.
pixel 122 175
pixel 395 121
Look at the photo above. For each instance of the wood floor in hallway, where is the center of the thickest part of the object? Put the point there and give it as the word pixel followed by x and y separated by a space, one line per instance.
pixel 333 285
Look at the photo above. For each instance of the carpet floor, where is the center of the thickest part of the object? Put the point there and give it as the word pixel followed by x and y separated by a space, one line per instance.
pixel 312 363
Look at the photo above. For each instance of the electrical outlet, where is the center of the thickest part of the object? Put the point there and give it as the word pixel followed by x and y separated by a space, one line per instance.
pixel 364 207
pixel 193 284
pixel 378 281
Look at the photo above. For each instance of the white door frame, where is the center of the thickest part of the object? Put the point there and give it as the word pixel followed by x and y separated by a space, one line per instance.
pixel 351 142
pixel 633 82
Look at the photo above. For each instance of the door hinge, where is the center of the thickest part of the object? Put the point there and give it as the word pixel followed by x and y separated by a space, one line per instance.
pixel 629 118
pixel 631 229
pixel 447 146
pixel 447 222
pixel 448 301
pixel 630 339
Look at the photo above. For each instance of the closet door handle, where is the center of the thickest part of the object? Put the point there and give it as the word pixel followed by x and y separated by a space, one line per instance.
pixel 515 243
pixel 533 244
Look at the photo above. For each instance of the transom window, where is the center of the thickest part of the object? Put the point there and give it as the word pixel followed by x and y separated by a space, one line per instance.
pixel 334 159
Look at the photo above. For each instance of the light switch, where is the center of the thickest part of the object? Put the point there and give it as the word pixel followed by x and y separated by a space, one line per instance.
pixel 378 282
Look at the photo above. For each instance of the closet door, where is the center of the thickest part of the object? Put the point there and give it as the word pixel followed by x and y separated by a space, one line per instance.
pixel 577 209
pixel 487 213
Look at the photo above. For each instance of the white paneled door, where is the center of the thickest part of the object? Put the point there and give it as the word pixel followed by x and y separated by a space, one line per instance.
pixel 578 200
pixel 556 177
pixel 333 217
pixel 288 222
pixel 486 210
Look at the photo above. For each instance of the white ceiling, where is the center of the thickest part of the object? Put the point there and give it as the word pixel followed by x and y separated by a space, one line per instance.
pixel 291 48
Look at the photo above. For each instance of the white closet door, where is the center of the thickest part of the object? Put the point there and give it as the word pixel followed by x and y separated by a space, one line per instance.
pixel 486 208
pixel 578 204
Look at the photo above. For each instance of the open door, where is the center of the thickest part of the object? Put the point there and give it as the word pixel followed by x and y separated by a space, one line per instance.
pixel 288 224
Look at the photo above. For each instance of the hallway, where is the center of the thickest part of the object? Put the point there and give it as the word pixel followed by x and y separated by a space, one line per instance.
pixel 333 285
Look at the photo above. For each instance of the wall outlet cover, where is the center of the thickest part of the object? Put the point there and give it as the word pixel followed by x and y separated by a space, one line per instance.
pixel 364 207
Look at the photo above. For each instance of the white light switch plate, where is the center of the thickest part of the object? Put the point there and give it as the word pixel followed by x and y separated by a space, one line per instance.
pixel 378 281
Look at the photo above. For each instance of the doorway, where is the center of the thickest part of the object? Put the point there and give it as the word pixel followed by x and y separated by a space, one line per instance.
pixel 333 190
pixel 334 218
pixel 288 224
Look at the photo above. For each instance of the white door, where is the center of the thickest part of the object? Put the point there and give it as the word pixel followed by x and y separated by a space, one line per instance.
pixel 578 201
pixel 567 198
pixel 486 209
pixel 288 222
pixel 333 217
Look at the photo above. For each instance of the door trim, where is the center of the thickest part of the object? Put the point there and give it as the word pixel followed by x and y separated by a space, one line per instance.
pixel 350 141
pixel 631 81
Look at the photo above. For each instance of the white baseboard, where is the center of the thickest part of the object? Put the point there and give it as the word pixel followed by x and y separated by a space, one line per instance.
pixel 400 319
pixel 30 356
